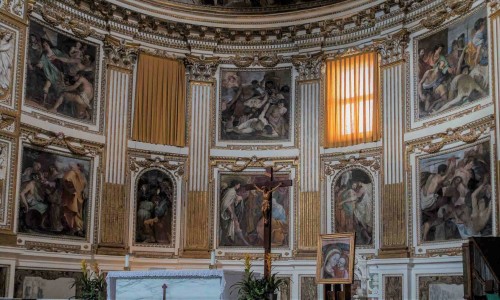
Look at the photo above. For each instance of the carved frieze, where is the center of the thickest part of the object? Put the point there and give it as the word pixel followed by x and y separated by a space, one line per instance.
pixel 332 167
pixel 120 53
pixel 257 59
pixel 57 18
pixel 201 68
pixel 451 8
pixel 393 47
pixel 240 164
pixel 308 65
pixel 136 164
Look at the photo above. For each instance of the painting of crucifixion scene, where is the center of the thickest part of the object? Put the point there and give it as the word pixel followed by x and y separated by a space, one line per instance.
pixel 54 194
pixel 61 73
pixel 7 50
pixel 455 194
pixel 255 105
pixel 155 200
pixel 241 223
pixel 335 258
pixel 354 202
pixel 452 66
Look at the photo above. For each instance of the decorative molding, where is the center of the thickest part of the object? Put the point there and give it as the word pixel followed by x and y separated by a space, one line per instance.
pixel 120 53
pixel 50 247
pixel 137 164
pixel 258 59
pixel 240 164
pixel 201 68
pixel 393 47
pixel 113 221
pixel 452 8
pixel 7 122
pixel 332 167
pixel 57 18
pixel 309 66
pixel 494 7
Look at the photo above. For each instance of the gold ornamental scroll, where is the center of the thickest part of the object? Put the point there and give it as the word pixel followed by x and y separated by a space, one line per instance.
pixel 394 221
pixel 197 229
pixel 112 225
pixel 309 218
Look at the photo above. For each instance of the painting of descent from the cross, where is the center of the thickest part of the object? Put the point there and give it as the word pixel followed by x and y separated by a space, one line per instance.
pixel 61 73
pixel 154 206
pixel 255 105
pixel 240 218
pixel 455 195
pixel 452 66
pixel 54 193
pixel 335 258
pixel 354 202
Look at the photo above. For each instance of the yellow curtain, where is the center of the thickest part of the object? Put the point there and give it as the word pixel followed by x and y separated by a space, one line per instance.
pixel 160 102
pixel 352 100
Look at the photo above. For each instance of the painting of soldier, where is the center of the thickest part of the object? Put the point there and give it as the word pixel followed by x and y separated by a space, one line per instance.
pixel 54 194
pixel 61 73
pixel 255 105
pixel 241 222
pixel 455 195
pixel 353 198
pixel 452 66
pixel 155 198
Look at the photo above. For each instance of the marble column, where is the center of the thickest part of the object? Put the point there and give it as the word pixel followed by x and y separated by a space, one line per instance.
pixel 494 17
pixel 309 203
pixel 393 202
pixel 197 214
pixel 120 60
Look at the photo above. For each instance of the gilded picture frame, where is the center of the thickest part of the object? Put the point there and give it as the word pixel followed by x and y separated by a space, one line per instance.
pixel 335 258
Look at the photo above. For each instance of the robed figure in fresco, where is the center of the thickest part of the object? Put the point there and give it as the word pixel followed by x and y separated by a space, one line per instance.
pixel 73 197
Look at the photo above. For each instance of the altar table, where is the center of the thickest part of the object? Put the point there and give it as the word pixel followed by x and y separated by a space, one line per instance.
pixel 181 284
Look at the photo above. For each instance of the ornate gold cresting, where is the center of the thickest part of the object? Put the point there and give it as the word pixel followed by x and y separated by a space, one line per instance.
pixel 120 53
pixel 201 68
pixel 451 8
pixel 258 59
pixel 46 139
pixel 57 18
pixel 308 65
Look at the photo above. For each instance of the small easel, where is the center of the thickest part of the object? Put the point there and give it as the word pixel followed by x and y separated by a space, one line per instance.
pixel 337 292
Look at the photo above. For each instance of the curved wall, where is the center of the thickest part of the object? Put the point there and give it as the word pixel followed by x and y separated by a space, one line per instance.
pixel 408 241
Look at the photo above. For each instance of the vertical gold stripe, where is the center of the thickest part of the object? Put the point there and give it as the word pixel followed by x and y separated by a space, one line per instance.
pixel 113 215
pixel 393 213
pixel 309 220
pixel 197 215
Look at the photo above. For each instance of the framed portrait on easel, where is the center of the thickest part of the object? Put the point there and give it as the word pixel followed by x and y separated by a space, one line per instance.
pixel 335 258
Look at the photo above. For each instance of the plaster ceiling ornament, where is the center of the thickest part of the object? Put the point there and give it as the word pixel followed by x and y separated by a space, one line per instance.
pixel 120 53
pixel 308 65
pixel 201 68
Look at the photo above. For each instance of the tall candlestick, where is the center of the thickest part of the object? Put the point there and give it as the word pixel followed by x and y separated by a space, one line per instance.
pixel 127 262
pixel 212 258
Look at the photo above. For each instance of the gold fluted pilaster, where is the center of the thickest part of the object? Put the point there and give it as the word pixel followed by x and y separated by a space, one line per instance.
pixel 309 223
pixel 113 227
pixel 197 229
pixel 394 221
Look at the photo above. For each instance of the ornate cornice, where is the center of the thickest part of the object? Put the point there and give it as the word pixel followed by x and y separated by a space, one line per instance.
pixel 120 53
pixel 201 68
pixel 372 163
pixel 393 47
pixel 241 164
pixel 494 7
pixel 258 59
pixel 451 9
pixel 56 18
pixel 308 65
pixel 137 164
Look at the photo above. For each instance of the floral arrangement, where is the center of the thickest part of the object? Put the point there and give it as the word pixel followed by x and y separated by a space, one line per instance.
pixel 92 283
pixel 252 288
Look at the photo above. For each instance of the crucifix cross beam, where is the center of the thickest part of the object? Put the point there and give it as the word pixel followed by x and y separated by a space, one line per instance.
pixel 267 188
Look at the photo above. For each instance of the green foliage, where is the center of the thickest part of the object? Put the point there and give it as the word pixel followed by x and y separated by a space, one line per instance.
pixel 92 284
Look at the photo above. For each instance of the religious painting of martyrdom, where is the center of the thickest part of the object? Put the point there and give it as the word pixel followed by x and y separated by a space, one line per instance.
pixel 241 223
pixel 54 194
pixel 255 105
pixel 455 195
pixel 452 65
pixel 353 198
pixel 61 73
pixel 335 258
pixel 155 197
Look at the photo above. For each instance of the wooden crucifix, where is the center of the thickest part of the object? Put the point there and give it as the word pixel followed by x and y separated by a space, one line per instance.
pixel 267 188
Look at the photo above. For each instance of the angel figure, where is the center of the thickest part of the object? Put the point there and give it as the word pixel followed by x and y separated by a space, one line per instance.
pixel 6 57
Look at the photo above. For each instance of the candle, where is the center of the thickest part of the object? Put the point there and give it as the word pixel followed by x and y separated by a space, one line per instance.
pixel 212 258
pixel 127 263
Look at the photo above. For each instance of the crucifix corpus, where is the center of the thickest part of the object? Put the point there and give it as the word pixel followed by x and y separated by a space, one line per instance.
pixel 267 188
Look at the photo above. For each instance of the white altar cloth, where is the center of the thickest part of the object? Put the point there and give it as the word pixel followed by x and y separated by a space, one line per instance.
pixel 181 284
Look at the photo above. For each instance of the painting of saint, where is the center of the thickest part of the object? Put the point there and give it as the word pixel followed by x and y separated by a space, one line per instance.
pixel 54 194
pixel 353 198
pixel 335 258
pixel 455 195
pixel 61 73
pixel 255 105
pixel 241 222
pixel 6 60
pixel 452 66
pixel 155 198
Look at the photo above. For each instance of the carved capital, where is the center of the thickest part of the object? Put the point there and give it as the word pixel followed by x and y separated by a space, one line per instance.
pixel 201 68
pixel 308 65
pixel 393 47
pixel 494 6
pixel 120 53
